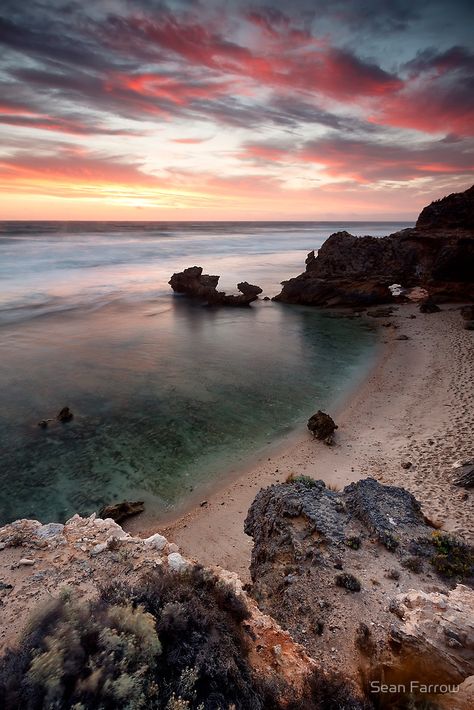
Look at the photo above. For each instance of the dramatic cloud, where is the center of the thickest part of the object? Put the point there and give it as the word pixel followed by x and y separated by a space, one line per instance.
pixel 253 96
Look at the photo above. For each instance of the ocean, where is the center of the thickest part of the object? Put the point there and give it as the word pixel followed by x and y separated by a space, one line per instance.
pixel 168 395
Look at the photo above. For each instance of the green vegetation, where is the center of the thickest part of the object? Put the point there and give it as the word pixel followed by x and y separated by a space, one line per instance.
pixel 414 564
pixel 176 642
pixel 353 542
pixel 452 558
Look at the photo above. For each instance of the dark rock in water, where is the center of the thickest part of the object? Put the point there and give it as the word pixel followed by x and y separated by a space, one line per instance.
pixel 467 312
pixel 192 282
pixel 43 424
pixel 429 306
pixel 65 415
pixel 322 426
pixel 436 255
pixel 121 511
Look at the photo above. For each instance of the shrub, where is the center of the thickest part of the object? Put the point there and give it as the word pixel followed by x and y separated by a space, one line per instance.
pixel 305 480
pixel 348 581
pixel 174 642
pixel 452 558
pixel 353 542
pixel 414 564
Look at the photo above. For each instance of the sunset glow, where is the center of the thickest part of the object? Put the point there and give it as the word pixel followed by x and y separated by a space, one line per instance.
pixel 200 109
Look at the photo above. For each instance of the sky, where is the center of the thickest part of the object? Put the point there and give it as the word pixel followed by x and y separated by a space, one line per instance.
pixel 234 110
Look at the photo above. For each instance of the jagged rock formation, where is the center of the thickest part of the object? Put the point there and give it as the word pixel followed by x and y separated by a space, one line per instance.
pixel 192 282
pixel 308 539
pixel 435 633
pixel 437 255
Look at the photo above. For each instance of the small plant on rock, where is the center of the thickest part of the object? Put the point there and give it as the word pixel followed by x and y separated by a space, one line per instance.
pixel 452 558
pixel 348 581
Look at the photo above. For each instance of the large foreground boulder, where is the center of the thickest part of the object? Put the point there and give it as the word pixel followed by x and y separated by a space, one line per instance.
pixel 326 565
pixel 192 282
pixel 437 255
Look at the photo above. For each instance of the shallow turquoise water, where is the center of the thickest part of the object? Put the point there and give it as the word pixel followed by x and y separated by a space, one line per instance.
pixel 165 393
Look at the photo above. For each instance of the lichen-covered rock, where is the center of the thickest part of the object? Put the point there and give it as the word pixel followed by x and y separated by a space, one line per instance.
pixel 308 540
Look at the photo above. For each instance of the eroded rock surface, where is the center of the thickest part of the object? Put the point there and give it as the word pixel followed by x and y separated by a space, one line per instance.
pixel 308 537
pixel 121 511
pixel 437 255
pixel 192 282
pixel 435 633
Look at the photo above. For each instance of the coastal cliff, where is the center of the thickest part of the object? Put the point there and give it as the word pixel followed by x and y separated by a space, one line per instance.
pixel 437 255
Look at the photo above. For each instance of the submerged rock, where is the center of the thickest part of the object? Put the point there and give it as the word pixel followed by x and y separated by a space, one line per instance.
pixel 322 427
pixel 192 282
pixel 437 255
pixel 121 511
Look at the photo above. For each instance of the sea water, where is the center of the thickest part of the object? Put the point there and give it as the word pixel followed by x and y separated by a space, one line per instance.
pixel 167 394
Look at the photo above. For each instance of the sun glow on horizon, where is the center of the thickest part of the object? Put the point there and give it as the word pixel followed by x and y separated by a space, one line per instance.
pixel 249 113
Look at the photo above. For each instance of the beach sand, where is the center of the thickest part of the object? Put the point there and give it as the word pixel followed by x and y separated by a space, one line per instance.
pixel 416 406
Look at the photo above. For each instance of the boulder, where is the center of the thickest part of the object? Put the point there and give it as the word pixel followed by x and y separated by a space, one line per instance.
pixel 314 547
pixel 467 312
pixel 436 256
pixel 193 283
pixel 322 426
pixel 121 511
pixel 434 633
pixel 429 306
pixel 464 473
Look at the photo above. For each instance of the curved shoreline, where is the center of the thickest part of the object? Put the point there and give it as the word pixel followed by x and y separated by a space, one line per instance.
pixel 416 405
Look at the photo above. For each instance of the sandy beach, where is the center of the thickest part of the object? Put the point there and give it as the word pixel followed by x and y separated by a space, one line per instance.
pixel 416 406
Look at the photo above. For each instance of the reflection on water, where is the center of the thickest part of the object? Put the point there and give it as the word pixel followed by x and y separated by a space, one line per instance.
pixel 165 393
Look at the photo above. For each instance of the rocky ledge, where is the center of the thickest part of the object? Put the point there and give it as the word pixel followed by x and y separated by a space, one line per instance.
pixel 437 255
pixel 200 635
pixel 192 282
pixel 363 581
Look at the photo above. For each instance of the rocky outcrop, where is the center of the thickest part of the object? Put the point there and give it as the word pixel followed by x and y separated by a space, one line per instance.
pixel 464 473
pixel 121 511
pixel 192 282
pixel 437 255
pixel 323 561
pixel 435 633
pixel 86 554
pixel 322 426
